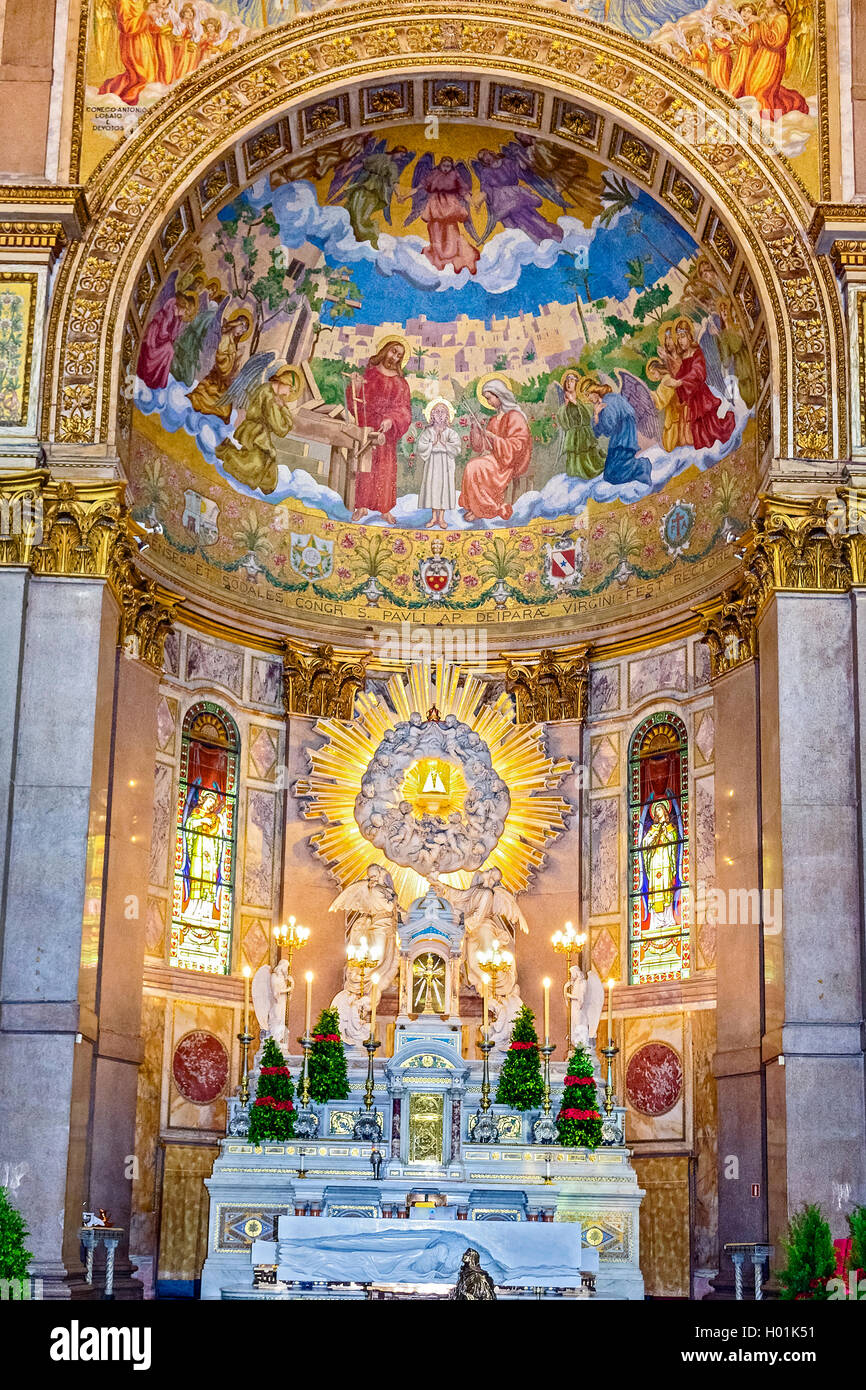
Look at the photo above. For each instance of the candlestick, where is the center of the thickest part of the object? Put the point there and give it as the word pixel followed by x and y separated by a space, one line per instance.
pixel 246 998
pixel 374 999
pixel 309 1003
pixel 546 983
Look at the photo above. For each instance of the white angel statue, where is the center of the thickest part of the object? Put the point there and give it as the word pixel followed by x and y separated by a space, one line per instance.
pixel 269 990
pixel 373 911
pixel 490 916
pixel 584 998
pixel 353 1008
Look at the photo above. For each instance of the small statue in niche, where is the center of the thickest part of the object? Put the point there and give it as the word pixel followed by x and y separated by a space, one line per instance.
pixel 473 1283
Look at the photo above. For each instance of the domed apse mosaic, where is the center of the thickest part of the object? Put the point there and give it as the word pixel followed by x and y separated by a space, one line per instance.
pixel 475 380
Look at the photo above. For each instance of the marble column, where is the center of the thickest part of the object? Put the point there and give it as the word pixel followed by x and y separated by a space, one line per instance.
pixel 57 692
pixel 739 982
pixel 121 964
pixel 813 963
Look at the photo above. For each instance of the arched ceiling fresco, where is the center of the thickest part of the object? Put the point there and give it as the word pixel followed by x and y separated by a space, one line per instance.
pixel 471 373
pixel 768 55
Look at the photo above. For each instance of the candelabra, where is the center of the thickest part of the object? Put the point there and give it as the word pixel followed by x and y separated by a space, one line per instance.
pixel 245 1038
pixel 544 1128
pixel 289 939
pixel 486 1130
pixel 306 1120
pixel 366 1123
pixel 611 1132
pixel 492 963
pixel 567 943
pixel 362 959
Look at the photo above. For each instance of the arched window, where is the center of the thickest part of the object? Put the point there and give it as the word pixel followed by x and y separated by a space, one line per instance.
pixel 204 860
pixel 659 897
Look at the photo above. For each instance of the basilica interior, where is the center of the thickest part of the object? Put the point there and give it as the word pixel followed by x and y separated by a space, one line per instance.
pixel 432 466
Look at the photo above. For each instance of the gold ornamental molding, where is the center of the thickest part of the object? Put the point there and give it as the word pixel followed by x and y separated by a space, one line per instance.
pixel 549 686
pixel 83 530
pixel 848 255
pixel 49 237
pixel 757 208
pixel 729 631
pixel 51 210
pixel 321 683
pixel 794 546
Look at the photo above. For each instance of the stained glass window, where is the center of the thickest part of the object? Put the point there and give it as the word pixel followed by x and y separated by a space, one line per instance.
pixel 659 896
pixel 204 860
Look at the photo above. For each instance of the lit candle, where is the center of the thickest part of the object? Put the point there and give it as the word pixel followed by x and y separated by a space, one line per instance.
pixel 546 983
pixel 246 999
pixel 374 999
pixel 610 1010
pixel 484 1003
pixel 309 979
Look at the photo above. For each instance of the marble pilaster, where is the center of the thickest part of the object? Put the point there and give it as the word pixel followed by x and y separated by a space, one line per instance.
pixel 119 1051
pixel 737 1062
pixel 52 889
pixel 813 960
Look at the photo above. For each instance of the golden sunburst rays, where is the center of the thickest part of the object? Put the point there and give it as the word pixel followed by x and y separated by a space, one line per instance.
pixel 536 816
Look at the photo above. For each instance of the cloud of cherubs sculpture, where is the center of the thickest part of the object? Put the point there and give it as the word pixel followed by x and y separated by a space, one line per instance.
pixel 434 797
pixel 431 843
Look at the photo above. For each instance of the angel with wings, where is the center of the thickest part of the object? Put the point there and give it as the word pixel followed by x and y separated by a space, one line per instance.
pixel 365 185
pixel 584 999
pixel 513 192
pixel 490 916
pixel 440 197
pixel 196 348
pixel 263 389
pixel 373 912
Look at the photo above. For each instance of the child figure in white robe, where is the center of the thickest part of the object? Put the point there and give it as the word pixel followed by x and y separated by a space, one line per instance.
pixel 438 446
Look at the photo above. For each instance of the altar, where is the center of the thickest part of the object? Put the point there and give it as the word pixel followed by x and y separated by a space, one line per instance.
pixel 577 1208
pixel 430 970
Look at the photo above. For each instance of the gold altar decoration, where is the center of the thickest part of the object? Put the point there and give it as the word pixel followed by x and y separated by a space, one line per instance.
pixel 84 530
pixel 553 686
pixel 426 1127
pixel 517 752
pixel 320 682
pixel 795 545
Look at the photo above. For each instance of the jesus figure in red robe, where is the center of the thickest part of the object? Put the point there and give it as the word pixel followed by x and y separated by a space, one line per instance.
pixel 383 403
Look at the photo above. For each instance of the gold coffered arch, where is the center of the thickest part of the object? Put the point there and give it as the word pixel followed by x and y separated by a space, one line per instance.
pixel 660 123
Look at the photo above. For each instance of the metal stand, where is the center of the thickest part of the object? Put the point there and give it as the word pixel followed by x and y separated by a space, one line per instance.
pixel 611 1134
pixel 544 1129
pixel 244 1089
pixel 366 1123
pixel 738 1250
pixel 486 1129
pixel 110 1237
pixel 306 1120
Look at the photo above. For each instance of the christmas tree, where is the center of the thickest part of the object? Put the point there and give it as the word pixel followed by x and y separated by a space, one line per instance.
pixel 520 1081
pixel 327 1064
pixel 579 1118
pixel 14 1259
pixel 272 1112
pixel 811 1256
